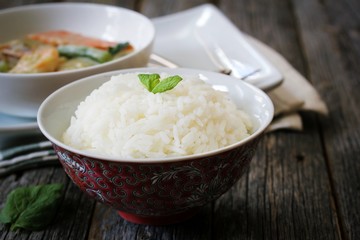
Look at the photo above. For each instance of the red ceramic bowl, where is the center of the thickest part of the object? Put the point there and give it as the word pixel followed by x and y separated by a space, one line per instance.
pixel 155 191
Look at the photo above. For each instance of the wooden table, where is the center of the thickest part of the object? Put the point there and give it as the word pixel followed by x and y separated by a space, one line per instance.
pixel 301 185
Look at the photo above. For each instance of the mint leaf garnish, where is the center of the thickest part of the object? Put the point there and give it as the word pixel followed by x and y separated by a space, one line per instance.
pixel 32 207
pixel 166 84
pixel 153 84
pixel 149 80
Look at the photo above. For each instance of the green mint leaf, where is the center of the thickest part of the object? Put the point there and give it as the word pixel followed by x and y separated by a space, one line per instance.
pixel 149 80
pixel 31 208
pixel 166 84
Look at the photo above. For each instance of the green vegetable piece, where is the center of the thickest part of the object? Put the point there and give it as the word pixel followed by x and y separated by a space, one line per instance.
pixel 31 208
pixel 4 67
pixel 118 48
pixel 72 51
pixel 166 84
pixel 149 80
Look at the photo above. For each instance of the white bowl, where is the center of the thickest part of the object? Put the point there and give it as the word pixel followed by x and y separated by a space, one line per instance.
pixel 22 94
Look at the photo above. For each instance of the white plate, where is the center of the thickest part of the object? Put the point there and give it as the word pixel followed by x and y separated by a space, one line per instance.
pixel 191 39
pixel 12 127
pixel 11 123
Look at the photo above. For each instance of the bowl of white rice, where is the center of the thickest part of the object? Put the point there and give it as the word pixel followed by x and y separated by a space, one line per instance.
pixel 158 149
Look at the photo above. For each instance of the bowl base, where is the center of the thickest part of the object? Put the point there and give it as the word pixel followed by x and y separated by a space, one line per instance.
pixel 159 220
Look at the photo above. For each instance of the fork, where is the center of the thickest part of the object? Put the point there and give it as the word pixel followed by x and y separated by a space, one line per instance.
pixel 221 60
pixel 236 69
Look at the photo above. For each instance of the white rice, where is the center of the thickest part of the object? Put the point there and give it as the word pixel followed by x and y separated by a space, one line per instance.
pixel 123 119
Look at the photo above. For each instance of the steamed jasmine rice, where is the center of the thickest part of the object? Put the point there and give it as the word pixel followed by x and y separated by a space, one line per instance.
pixel 123 119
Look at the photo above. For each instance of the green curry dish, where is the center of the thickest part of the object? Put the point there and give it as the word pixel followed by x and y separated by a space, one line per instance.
pixel 58 50
pixel 71 51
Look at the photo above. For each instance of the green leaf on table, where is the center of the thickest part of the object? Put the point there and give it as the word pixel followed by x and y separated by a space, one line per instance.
pixel 153 84
pixel 31 208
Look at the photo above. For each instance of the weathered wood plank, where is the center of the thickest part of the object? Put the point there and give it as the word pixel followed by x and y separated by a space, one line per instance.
pixel 281 198
pixel 330 33
pixel 16 3
pixel 107 224
pixel 73 217
pixel 289 168
pixel 131 4
pixel 156 8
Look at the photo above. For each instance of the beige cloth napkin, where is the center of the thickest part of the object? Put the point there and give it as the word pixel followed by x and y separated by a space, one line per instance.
pixel 293 95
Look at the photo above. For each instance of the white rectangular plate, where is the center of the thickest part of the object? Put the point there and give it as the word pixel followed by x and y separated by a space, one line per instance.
pixel 190 38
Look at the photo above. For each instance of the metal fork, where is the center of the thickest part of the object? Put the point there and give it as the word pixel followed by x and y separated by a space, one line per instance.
pixel 235 69
pixel 221 60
